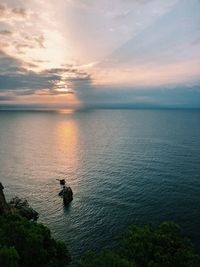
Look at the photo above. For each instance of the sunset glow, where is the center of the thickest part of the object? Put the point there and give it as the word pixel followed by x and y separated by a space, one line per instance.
pixel 63 90
pixel 92 53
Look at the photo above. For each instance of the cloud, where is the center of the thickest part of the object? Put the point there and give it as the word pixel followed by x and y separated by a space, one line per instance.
pixel 139 50
pixel 6 33
pixel 21 43
pixel 9 13
pixel 20 31
pixel 17 81
pixel 15 77
pixel 182 96
pixel 6 98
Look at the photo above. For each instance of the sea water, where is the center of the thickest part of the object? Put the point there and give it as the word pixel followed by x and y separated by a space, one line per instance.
pixel 124 166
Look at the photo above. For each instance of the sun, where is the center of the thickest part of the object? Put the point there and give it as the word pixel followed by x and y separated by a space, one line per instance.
pixel 62 90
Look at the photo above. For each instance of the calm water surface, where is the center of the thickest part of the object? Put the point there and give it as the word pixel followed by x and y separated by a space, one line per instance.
pixel 125 166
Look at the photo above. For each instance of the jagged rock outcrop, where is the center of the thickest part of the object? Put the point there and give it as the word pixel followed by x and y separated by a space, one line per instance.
pixel 4 207
pixel 67 195
pixel 25 210
pixel 16 205
pixel 62 181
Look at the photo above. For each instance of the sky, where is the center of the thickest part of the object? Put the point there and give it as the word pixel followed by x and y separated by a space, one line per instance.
pixel 108 53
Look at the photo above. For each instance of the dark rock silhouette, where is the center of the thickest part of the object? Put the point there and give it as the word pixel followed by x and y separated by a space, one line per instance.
pixel 4 207
pixel 22 206
pixel 16 205
pixel 67 194
pixel 62 181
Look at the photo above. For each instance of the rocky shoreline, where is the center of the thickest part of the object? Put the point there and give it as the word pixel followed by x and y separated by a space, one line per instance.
pixel 22 207
pixel 17 205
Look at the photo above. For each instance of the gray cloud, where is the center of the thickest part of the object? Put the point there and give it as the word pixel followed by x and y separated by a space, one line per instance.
pixel 180 96
pixel 6 98
pixel 100 96
pixel 16 79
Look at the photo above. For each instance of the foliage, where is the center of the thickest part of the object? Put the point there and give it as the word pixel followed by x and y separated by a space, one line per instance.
pixel 8 257
pixel 25 243
pixel 147 246
pixel 28 244
pixel 104 259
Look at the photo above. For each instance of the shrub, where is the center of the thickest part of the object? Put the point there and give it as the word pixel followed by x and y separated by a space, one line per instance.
pixel 25 243
pixel 147 246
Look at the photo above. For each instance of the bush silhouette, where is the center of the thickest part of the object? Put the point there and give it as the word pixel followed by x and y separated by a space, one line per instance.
pixel 147 246
pixel 29 244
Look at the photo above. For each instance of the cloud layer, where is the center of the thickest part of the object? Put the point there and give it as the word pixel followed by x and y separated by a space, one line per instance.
pixel 100 53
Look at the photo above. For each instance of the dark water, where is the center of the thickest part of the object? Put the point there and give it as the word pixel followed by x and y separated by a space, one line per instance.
pixel 125 166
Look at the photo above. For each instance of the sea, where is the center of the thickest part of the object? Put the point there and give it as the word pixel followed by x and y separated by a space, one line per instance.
pixel 124 167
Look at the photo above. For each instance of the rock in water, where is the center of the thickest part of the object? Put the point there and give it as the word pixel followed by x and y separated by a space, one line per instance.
pixel 62 181
pixel 4 208
pixel 24 209
pixel 67 194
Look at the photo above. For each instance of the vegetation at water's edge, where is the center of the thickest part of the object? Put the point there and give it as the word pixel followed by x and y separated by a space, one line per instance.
pixel 147 246
pixel 27 244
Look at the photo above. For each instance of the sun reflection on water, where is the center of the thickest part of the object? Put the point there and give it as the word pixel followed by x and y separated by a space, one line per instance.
pixel 67 139
pixel 66 111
